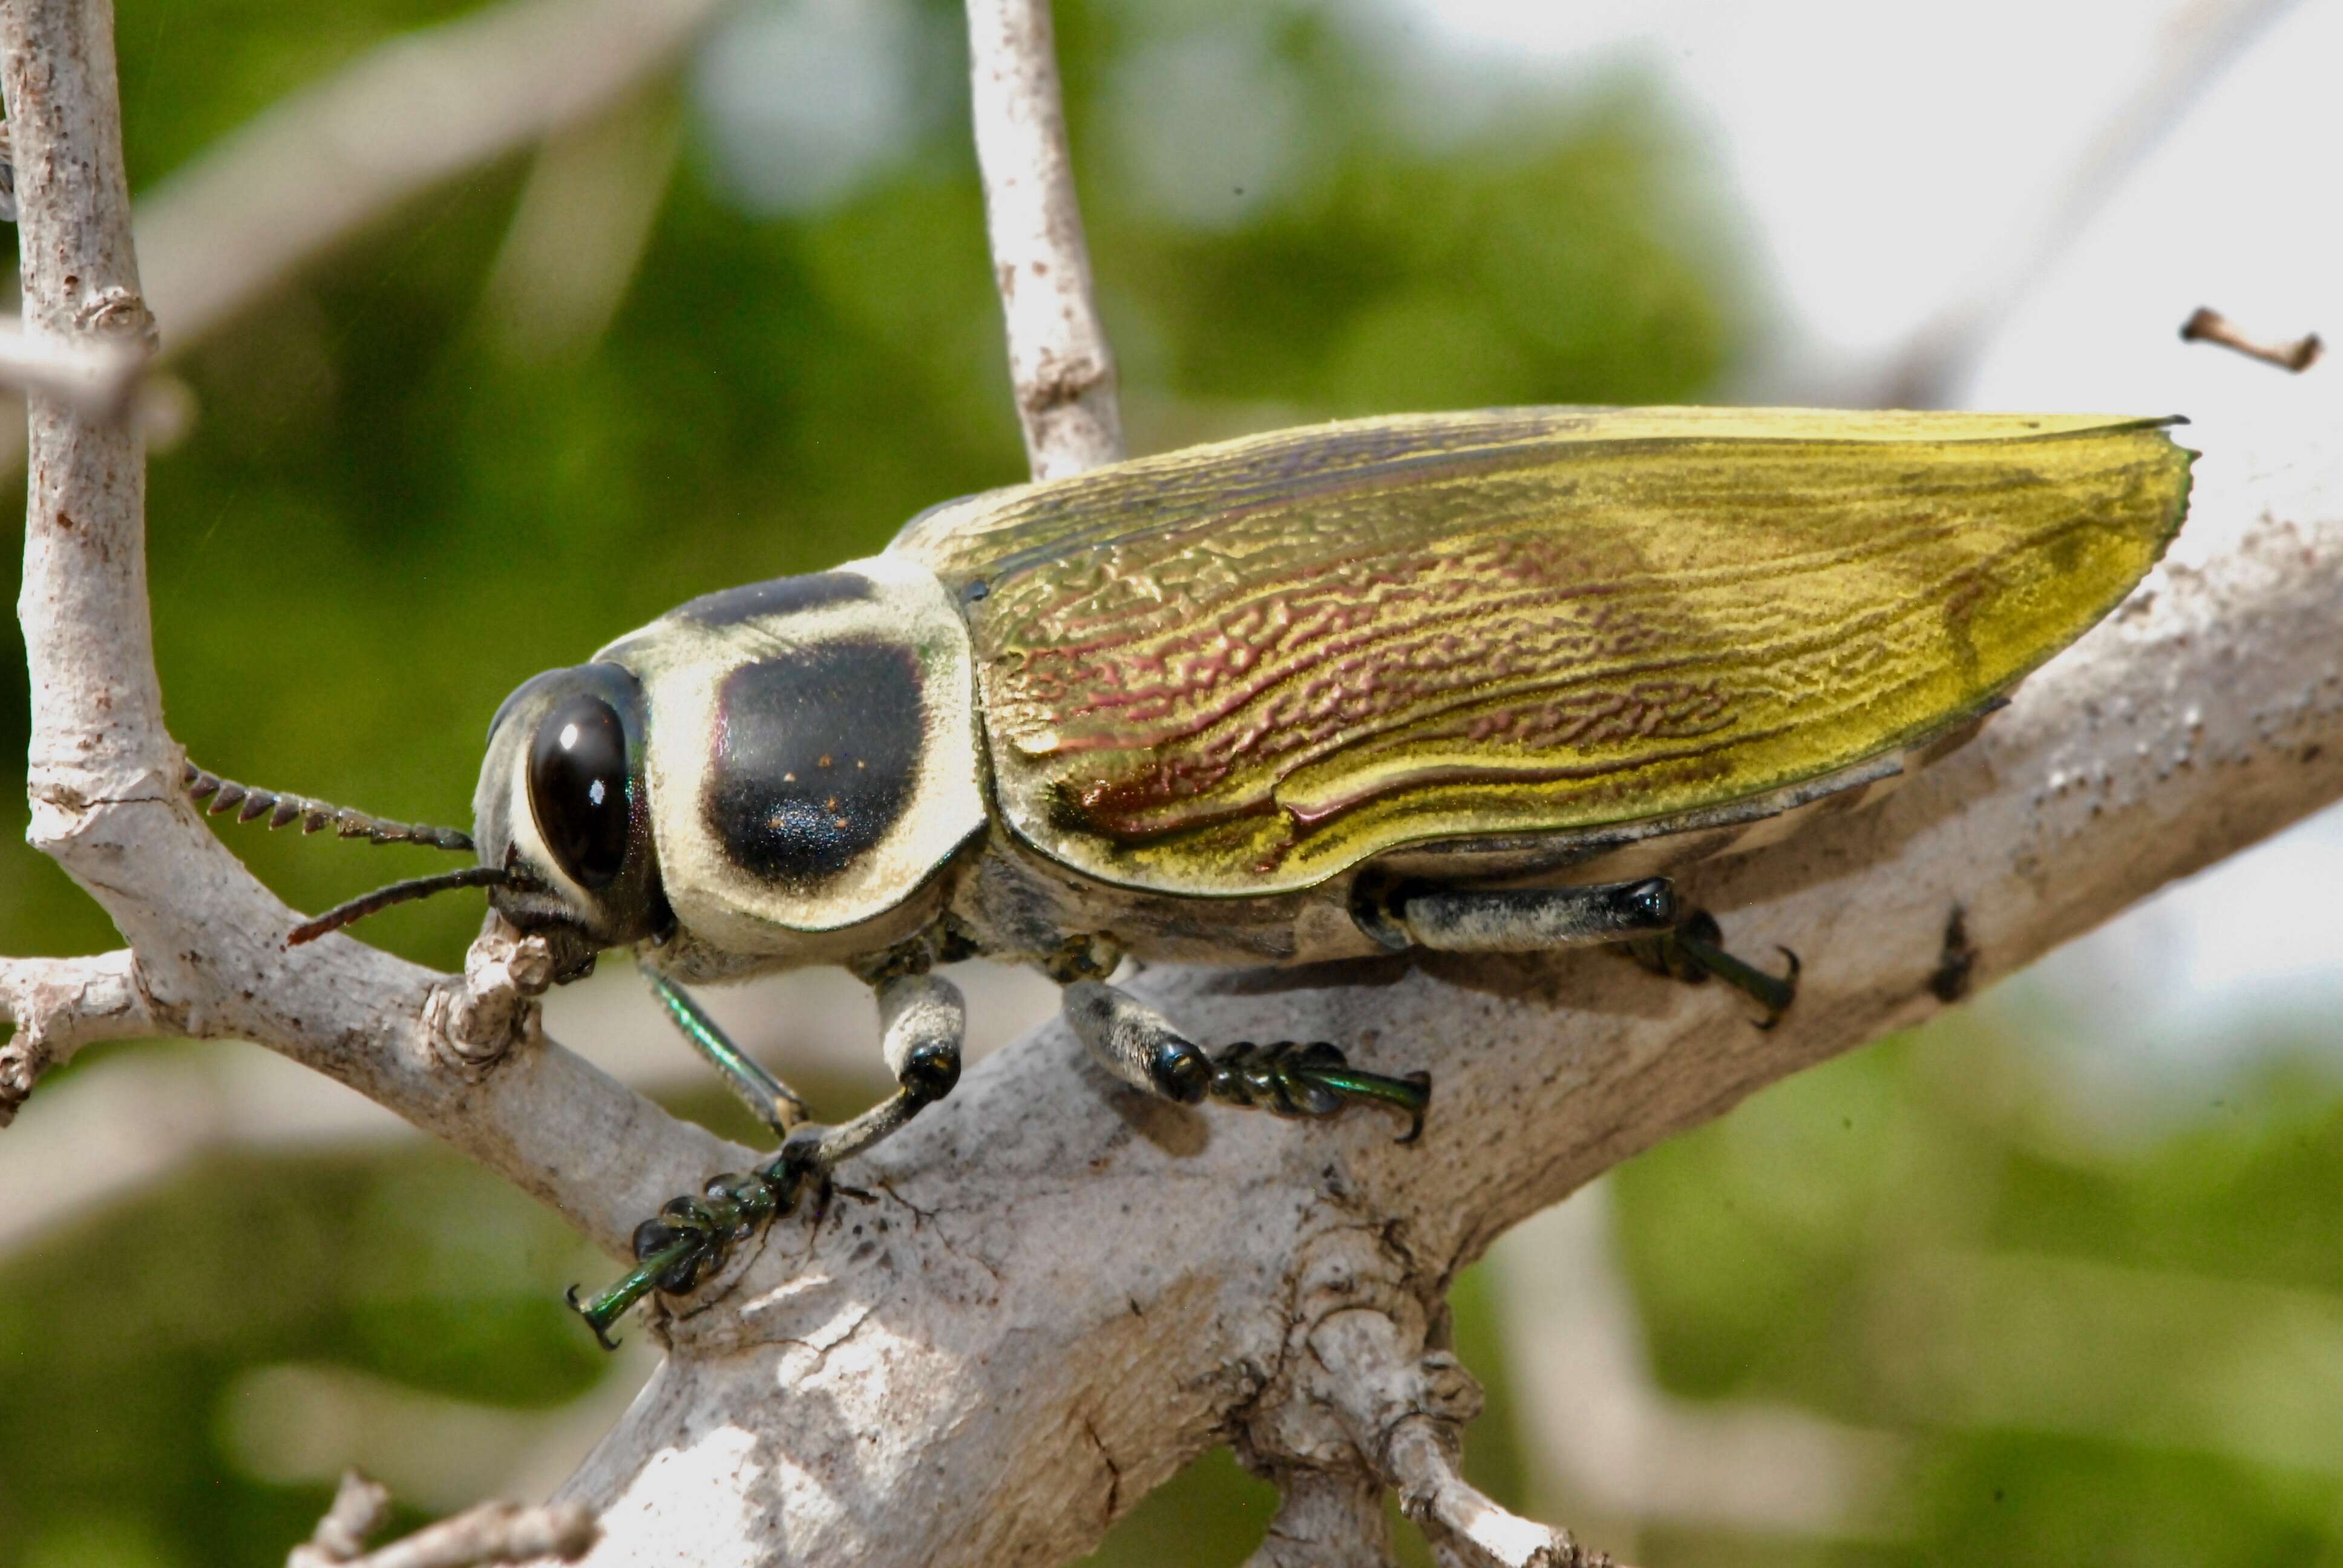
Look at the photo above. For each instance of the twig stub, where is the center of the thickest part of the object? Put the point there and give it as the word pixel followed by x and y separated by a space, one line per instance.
pixel 2206 325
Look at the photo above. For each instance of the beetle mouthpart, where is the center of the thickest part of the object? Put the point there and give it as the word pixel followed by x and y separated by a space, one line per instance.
pixel 250 805
pixel 414 887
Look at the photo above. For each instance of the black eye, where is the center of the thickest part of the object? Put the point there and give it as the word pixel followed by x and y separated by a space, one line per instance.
pixel 577 788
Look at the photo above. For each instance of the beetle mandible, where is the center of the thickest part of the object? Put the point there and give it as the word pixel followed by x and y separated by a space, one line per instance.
pixel 1463 682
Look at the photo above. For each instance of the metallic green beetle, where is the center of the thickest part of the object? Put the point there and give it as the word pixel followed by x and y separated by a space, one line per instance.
pixel 1466 682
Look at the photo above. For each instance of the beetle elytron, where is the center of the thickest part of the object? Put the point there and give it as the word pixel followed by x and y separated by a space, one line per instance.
pixel 1465 682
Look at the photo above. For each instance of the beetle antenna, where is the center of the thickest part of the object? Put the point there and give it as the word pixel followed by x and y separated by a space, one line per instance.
pixel 249 805
pixel 414 888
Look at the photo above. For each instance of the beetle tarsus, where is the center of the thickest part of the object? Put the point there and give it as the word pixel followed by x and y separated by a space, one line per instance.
pixel 692 1238
pixel 1694 950
pixel 1139 1045
pixel 1287 1077
pixel 689 1239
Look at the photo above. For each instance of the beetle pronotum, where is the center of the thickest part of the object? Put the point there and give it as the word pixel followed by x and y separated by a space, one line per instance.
pixel 1467 682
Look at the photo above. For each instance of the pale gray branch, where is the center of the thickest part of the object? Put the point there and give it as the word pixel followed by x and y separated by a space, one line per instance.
pixel 58 1006
pixel 105 776
pixel 1058 361
pixel 492 1532
pixel 1326 1519
pixel 400 120
pixel 2201 37
pixel 99 380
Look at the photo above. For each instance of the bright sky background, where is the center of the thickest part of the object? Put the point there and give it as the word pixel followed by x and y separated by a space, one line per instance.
pixel 1889 160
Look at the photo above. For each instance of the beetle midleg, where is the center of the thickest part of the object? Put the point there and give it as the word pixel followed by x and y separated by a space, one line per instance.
pixel 923 1022
pixel 1694 951
pixel 1531 919
pixel 1139 1045
pixel 768 1100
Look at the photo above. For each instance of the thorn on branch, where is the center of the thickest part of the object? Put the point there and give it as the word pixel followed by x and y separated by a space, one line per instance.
pixel 2209 325
pixel 492 1532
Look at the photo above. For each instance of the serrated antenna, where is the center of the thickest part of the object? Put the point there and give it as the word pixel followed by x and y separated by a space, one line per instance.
pixel 219 796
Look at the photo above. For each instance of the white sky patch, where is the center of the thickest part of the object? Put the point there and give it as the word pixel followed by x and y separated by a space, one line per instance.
pixel 1888 159
pixel 805 100
pixel 1213 127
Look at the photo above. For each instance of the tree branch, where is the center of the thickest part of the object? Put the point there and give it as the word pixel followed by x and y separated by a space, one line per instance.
pixel 460 1059
pixel 58 1006
pixel 1058 360
pixel 400 120
pixel 96 382
pixel 492 1532
pixel 2201 38
pixel 1326 1518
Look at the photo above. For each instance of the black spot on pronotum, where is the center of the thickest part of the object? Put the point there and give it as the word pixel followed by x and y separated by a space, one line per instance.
pixel 1956 963
pixel 780 596
pixel 813 759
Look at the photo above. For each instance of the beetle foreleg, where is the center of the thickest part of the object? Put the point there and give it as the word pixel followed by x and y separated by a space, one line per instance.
pixel 1139 1045
pixel 922 1021
pixel 1693 951
pixel 768 1100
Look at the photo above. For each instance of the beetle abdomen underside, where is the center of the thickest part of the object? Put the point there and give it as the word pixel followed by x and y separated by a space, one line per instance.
pixel 1246 668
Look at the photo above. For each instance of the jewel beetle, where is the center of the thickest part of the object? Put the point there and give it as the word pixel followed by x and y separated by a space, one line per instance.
pixel 1463 683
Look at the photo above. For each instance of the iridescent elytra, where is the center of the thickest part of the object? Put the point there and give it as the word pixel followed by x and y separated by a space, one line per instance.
pixel 1463 682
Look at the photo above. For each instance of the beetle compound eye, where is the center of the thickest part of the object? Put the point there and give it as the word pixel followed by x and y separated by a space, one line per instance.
pixel 577 789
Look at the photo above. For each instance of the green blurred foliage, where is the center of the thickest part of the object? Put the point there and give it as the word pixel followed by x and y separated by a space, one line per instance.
pixel 126 1340
pixel 2120 1347
pixel 385 517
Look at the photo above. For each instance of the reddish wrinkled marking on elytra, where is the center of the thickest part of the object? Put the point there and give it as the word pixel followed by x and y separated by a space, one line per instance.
pixel 1221 676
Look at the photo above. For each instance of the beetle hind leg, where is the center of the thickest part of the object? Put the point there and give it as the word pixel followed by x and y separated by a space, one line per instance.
pixel 1642 919
pixel 922 1021
pixel 1694 951
pixel 1522 919
pixel 1288 1077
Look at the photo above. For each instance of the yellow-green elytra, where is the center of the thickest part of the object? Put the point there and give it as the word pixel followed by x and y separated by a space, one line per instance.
pixel 1462 682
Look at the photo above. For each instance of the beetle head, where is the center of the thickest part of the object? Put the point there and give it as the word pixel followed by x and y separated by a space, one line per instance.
pixel 563 809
